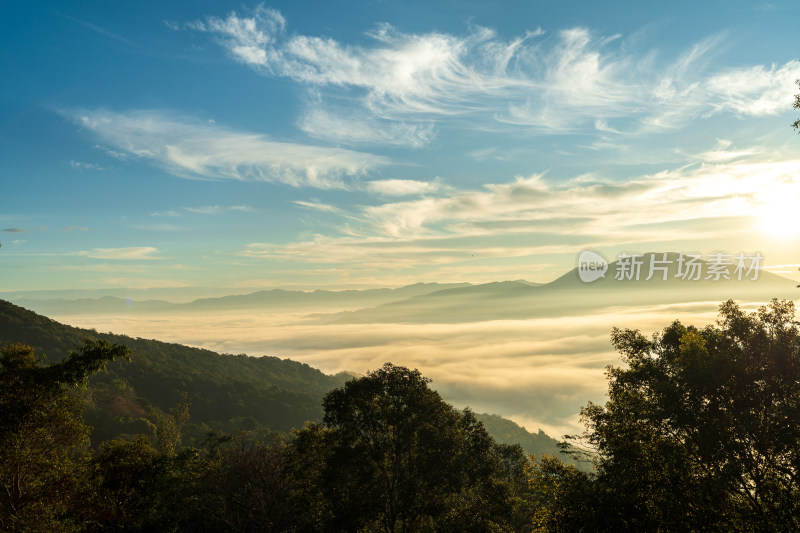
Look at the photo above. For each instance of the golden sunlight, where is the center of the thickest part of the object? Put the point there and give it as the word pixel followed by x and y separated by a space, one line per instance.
pixel 777 216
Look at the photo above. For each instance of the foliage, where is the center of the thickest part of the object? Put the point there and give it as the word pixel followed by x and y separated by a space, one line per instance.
pixel 796 105
pixel 244 487
pixel 224 393
pixel 561 498
pixel 41 431
pixel 700 430
pixel 393 456
pixel 505 431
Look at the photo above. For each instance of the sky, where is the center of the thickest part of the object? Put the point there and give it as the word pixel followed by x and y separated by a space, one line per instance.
pixel 237 146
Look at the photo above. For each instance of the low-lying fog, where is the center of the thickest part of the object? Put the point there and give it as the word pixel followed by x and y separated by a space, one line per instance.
pixel 537 372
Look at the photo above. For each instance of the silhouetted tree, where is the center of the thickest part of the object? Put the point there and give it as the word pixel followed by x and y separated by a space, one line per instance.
pixel 244 487
pixel 41 431
pixel 701 430
pixel 393 456
pixel 561 498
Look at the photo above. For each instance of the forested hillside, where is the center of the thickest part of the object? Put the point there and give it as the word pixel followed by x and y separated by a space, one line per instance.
pixel 223 393
pixel 505 431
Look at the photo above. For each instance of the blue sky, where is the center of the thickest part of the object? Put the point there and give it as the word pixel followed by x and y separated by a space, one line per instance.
pixel 331 145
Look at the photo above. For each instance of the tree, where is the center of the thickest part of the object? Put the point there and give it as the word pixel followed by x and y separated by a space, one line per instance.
pixel 133 486
pixel 391 455
pixel 41 428
pixel 796 123
pixel 561 498
pixel 124 487
pixel 701 429
pixel 396 442
pixel 244 486
pixel 308 457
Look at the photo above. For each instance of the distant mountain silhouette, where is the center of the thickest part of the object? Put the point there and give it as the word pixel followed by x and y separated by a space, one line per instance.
pixel 463 302
pixel 568 295
pixel 267 300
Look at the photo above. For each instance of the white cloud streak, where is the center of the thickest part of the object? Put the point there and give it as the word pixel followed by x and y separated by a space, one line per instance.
pixel 85 166
pixel 138 253
pixel 317 205
pixel 202 150
pixel 341 127
pixel 396 187
pixel 205 210
pixel 567 80
pixel 757 90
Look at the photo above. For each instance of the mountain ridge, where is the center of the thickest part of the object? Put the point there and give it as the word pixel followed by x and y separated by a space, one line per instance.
pixel 460 302
pixel 268 298
pixel 566 295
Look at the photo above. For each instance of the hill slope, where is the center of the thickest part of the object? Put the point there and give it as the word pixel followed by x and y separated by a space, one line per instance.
pixel 505 431
pixel 225 392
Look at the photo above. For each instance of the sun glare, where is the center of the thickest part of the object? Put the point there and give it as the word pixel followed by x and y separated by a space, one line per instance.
pixel 777 214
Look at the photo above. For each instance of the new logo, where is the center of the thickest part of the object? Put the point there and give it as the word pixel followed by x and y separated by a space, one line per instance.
pixel 591 266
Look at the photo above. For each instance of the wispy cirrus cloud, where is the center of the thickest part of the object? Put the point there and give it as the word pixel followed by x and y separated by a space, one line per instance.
pixel 80 165
pixel 317 206
pixel 340 126
pixel 722 152
pixel 159 227
pixel 531 216
pixel 137 253
pixel 394 187
pixel 757 90
pixel 203 210
pixel 562 81
pixel 362 255
pixel 166 213
pixel 189 148
pixel 723 182
pixel 101 31
pixel 144 283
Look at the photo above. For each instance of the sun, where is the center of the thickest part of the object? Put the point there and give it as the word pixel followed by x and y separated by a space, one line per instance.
pixel 777 216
